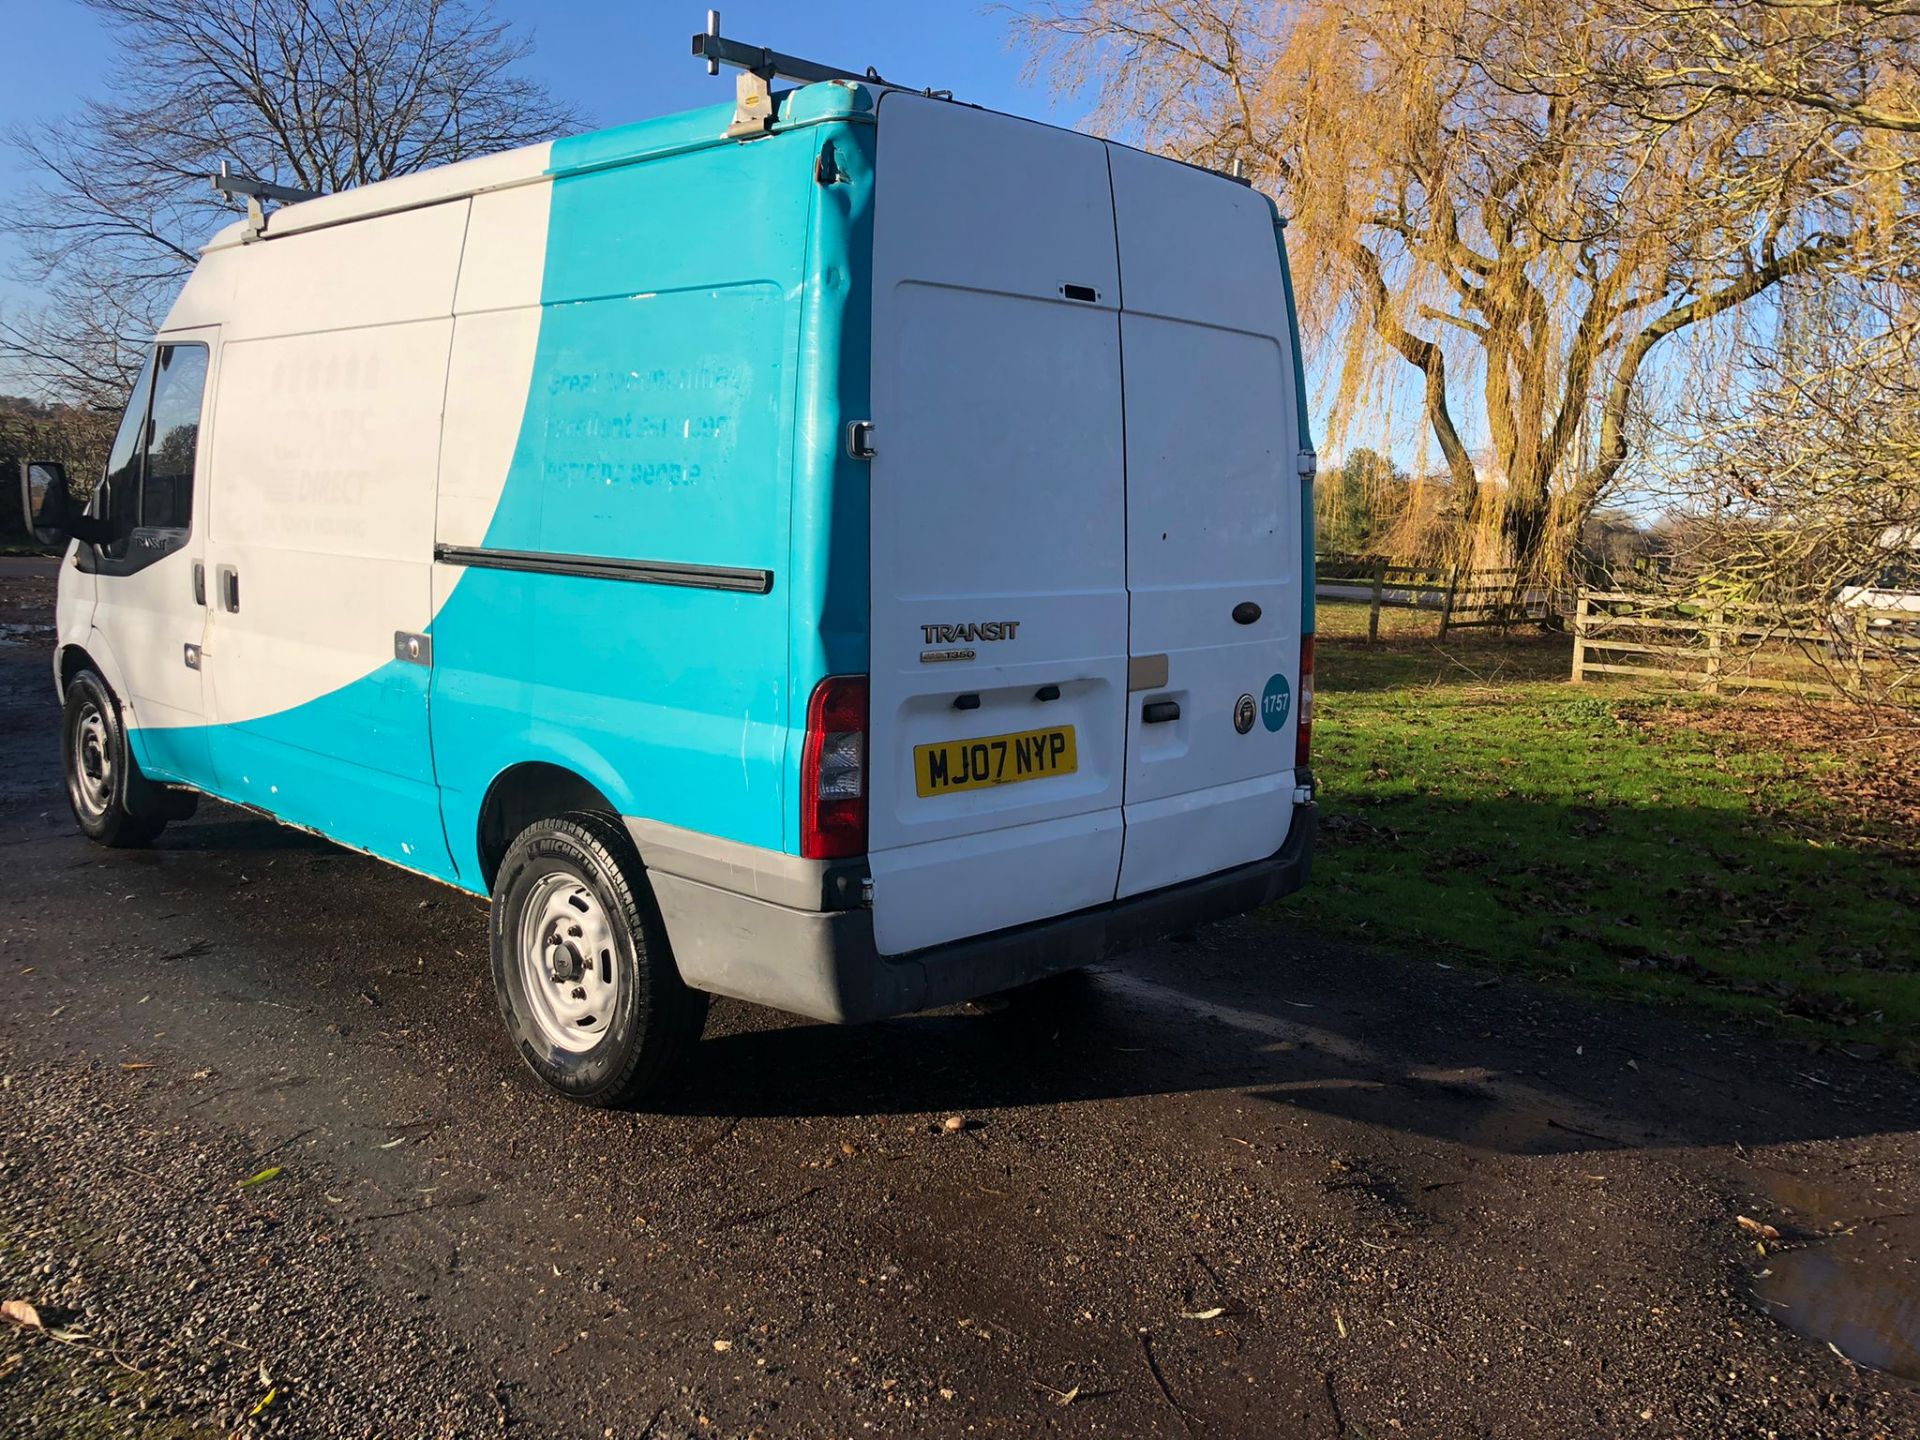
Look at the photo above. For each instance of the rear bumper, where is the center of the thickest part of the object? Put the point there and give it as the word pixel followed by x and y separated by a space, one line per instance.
pixel 823 964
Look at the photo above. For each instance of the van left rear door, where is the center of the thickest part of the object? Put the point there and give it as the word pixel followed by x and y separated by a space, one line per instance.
pixel 999 602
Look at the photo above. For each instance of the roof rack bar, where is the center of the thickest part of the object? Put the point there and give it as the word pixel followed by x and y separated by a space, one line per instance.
pixel 717 50
pixel 253 191
pixel 758 66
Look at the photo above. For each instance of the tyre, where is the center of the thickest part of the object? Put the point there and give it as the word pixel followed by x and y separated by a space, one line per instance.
pixel 112 801
pixel 587 985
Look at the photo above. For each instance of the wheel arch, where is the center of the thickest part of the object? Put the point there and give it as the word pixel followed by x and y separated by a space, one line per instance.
pixel 523 793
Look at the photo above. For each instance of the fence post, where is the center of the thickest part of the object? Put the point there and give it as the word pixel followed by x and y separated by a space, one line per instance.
pixel 1379 583
pixel 1580 637
pixel 1716 644
pixel 1446 610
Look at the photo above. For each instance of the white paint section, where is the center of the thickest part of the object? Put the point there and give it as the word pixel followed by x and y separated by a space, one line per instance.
pixel 379 272
pixel 1212 518
pixel 505 258
pixel 487 385
pixel 325 452
pixel 996 496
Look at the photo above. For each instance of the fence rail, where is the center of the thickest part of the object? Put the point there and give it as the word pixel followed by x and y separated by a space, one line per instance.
pixel 1465 598
pixel 1715 644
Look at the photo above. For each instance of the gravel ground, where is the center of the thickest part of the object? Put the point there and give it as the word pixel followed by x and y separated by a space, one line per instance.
pixel 1257 1184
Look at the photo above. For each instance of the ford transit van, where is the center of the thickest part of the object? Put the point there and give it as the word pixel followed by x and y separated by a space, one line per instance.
pixel 852 561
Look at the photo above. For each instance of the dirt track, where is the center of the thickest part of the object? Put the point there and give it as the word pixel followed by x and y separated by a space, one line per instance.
pixel 1252 1185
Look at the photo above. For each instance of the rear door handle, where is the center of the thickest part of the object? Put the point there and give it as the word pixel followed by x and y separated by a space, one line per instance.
pixel 1158 712
pixel 228 579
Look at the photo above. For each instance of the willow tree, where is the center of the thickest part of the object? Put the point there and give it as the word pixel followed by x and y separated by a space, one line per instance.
pixel 1474 203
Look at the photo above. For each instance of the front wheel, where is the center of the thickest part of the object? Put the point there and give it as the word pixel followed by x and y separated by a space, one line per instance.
pixel 586 983
pixel 112 801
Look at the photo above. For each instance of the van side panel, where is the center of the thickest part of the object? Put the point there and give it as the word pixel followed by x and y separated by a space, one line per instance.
pixel 656 429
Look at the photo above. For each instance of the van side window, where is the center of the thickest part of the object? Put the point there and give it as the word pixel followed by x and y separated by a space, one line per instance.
pixel 173 434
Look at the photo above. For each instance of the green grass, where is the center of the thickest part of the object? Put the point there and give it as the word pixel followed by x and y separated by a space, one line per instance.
pixel 1477 807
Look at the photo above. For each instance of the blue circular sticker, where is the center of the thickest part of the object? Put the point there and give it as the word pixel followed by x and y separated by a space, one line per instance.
pixel 1276 702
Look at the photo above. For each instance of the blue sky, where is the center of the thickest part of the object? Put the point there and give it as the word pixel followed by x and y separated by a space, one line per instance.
pixel 616 59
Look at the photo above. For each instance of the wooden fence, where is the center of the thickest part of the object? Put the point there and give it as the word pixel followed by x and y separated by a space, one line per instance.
pixel 1716 644
pixel 1464 598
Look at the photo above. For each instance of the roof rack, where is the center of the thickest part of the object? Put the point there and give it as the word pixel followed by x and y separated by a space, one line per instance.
pixel 758 65
pixel 229 182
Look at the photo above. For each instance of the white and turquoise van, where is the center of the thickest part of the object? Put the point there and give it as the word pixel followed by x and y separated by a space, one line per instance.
pixel 854 560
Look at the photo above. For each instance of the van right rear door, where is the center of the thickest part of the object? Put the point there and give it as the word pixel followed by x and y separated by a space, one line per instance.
pixel 998 512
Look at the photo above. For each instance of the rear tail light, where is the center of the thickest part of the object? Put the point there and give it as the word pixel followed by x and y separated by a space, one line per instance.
pixel 1303 732
pixel 833 770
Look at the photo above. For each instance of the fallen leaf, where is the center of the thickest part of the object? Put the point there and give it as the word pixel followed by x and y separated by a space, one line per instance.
pixel 1754 1227
pixel 138 1065
pixel 954 1124
pixel 22 1314
pixel 1069 1396
pixel 723 1346
pixel 1339 1324
pixel 1214 1314
pixel 264 1401
pixel 391 1143
pixel 262 1178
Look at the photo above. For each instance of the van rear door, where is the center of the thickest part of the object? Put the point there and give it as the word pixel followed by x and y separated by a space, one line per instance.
pixel 999 599
pixel 1213 523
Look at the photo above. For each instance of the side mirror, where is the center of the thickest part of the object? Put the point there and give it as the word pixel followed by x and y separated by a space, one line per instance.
pixel 45 501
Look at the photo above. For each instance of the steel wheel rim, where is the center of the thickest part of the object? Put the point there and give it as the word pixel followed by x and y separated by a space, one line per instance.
pixel 569 963
pixel 92 776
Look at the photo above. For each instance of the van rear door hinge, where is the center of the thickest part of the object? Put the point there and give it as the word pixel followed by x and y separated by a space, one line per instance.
pixel 860 439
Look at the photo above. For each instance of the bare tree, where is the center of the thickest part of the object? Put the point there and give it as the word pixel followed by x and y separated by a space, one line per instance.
pixel 319 94
pixel 1491 199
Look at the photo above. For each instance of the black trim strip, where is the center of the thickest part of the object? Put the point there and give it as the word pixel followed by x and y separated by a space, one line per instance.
pixel 600 567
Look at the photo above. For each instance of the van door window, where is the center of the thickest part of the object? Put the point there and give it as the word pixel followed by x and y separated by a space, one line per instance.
pixel 118 503
pixel 148 486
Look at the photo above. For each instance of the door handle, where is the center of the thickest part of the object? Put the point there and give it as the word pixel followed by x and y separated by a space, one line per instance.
pixel 1159 712
pixel 199 582
pixel 228 579
pixel 1245 613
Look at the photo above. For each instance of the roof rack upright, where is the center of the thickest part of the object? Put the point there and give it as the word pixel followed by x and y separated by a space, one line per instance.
pixel 229 182
pixel 758 65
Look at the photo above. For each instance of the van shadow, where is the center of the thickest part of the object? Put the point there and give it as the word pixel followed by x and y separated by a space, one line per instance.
pixel 1271 1011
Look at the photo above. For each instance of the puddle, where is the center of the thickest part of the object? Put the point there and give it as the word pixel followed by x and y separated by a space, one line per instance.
pixel 1858 1288
pixel 25 630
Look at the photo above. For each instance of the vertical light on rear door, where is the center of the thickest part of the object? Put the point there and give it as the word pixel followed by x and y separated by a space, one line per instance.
pixel 999 605
pixel 1213 502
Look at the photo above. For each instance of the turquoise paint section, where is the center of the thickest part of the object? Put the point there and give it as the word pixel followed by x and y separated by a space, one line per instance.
pixel 702 343
pixel 1308 541
pixel 685 406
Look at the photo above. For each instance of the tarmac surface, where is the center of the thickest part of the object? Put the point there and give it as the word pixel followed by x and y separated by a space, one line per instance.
pixel 1257 1183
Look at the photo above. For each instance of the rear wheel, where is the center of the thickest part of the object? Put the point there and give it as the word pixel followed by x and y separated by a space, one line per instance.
pixel 113 802
pixel 586 982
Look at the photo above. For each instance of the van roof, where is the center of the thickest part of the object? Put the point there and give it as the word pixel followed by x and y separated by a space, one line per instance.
pixel 621 144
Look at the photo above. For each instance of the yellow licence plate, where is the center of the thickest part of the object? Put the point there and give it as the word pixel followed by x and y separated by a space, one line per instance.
pixel 950 765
